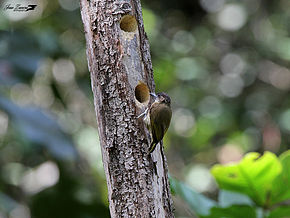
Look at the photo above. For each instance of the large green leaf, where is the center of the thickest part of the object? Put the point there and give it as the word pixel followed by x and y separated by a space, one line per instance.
pixel 228 198
pixel 280 212
pixel 253 176
pixel 197 202
pixel 281 185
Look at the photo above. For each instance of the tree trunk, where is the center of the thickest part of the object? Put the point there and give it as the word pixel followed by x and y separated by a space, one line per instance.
pixel 121 75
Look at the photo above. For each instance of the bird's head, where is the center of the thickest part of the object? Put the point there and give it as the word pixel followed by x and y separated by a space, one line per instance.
pixel 161 97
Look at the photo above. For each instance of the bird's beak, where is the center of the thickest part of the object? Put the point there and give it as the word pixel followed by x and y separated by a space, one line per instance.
pixel 156 98
pixel 153 94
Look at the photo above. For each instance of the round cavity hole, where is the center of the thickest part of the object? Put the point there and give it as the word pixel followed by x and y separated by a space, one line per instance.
pixel 128 23
pixel 142 93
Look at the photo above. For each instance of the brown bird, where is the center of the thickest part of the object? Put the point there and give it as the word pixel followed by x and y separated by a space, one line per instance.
pixel 157 118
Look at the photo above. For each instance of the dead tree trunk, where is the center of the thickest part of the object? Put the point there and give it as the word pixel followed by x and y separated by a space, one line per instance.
pixel 121 74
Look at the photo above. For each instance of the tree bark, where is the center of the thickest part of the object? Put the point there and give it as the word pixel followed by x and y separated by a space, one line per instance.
pixel 119 61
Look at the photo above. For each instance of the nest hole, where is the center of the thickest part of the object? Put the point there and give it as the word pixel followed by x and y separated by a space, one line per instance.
pixel 128 23
pixel 142 93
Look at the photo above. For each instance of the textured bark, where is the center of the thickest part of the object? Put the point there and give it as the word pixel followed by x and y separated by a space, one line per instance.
pixel 137 183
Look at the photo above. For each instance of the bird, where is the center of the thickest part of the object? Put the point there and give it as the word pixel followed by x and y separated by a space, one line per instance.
pixel 157 118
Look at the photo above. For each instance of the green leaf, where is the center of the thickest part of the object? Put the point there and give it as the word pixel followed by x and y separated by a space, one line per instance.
pixel 253 176
pixel 235 211
pixel 281 185
pixel 280 212
pixel 228 198
pixel 197 202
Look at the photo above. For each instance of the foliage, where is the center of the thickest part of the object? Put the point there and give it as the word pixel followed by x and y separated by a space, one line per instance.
pixel 257 186
pixel 199 203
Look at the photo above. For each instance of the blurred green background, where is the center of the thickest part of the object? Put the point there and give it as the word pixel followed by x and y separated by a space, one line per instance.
pixel 224 63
